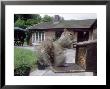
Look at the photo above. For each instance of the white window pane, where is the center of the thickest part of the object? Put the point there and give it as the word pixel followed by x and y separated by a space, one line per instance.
pixel 33 38
pixel 40 36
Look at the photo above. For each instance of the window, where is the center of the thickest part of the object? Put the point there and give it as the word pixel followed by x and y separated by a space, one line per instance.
pixel 42 36
pixel 33 36
pixel 83 36
pixel 39 36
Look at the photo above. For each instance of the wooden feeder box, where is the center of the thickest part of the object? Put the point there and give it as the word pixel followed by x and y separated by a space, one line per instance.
pixel 86 55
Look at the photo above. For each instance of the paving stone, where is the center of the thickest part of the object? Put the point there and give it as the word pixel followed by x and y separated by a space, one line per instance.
pixel 38 72
pixel 68 68
pixel 51 73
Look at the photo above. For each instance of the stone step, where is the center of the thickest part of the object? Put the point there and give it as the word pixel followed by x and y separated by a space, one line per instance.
pixel 48 72
pixel 68 68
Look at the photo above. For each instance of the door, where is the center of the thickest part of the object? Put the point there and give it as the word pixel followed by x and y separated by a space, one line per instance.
pixel 83 36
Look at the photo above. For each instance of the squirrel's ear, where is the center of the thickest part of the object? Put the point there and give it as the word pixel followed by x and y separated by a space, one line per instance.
pixel 65 30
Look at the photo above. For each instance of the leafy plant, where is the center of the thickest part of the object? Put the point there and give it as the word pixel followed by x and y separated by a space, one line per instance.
pixel 23 70
pixel 20 23
pixel 24 59
pixel 46 18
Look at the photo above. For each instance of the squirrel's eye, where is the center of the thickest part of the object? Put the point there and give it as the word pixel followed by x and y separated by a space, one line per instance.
pixel 70 34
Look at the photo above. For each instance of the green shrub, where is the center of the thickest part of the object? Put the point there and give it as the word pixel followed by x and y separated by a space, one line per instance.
pixel 24 59
pixel 23 70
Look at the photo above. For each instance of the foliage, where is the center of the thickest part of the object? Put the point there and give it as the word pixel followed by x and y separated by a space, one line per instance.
pixel 16 16
pixel 24 61
pixel 27 37
pixel 24 58
pixel 22 16
pixel 37 17
pixel 30 22
pixel 20 23
pixel 26 20
pixel 23 70
pixel 46 18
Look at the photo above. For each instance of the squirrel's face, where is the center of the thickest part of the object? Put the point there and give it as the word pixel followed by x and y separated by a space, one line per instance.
pixel 69 35
pixel 66 38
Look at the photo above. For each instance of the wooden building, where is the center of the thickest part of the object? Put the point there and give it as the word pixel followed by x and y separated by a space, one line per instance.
pixel 83 30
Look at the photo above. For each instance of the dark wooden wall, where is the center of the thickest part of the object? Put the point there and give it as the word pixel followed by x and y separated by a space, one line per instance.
pixel 86 57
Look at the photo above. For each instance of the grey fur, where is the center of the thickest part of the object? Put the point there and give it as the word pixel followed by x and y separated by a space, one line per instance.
pixel 52 52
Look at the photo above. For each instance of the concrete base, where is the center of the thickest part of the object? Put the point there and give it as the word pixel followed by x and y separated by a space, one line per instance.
pixel 49 72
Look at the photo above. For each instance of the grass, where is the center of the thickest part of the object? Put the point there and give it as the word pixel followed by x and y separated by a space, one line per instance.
pixel 24 57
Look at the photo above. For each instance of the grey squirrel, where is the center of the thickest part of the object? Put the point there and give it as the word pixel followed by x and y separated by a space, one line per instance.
pixel 51 53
